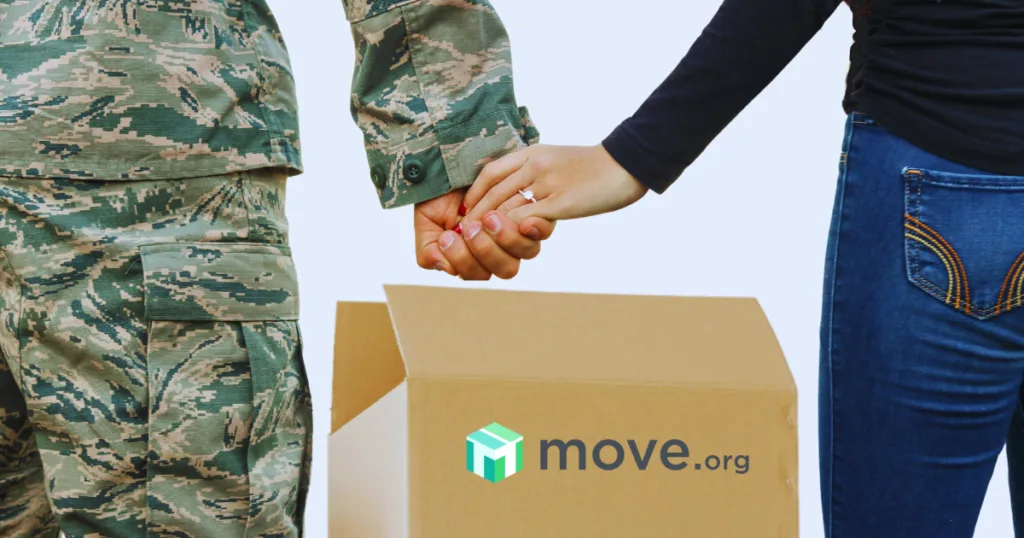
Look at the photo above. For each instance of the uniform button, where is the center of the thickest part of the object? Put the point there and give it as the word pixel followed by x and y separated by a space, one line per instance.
pixel 414 171
pixel 379 176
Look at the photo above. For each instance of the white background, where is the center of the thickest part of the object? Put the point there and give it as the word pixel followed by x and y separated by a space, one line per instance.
pixel 749 218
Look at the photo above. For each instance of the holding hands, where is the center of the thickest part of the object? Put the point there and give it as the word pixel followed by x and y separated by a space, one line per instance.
pixel 513 206
pixel 472 250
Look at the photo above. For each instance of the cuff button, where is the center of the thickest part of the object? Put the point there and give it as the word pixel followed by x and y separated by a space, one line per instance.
pixel 379 176
pixel 414 171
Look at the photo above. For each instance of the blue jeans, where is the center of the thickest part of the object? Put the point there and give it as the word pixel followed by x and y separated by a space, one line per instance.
pixel 922 341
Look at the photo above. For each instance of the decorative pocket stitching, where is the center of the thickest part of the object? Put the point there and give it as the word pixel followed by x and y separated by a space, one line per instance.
pixel 1011 297
pixel 957 291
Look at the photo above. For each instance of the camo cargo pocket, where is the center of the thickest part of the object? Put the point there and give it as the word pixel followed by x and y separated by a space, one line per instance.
pixel 230 419
pixel 964 239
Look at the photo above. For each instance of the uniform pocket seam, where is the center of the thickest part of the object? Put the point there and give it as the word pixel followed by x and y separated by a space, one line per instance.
pixel 246 295
pixel 20 323
pixel 231 282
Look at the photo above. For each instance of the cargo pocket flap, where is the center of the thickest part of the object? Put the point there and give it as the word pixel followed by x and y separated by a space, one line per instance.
pixel 219 282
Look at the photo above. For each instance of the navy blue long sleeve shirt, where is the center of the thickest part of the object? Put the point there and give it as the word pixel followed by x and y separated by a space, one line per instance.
pixel 945 75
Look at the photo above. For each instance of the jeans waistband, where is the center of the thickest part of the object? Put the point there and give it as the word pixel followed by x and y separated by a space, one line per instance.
pixel 861 118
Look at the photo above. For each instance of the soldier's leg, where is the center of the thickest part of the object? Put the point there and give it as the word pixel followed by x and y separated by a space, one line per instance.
pixel 161 355
pixel 24 510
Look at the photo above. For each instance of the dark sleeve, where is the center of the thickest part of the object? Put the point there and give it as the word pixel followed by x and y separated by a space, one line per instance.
pixel 744 47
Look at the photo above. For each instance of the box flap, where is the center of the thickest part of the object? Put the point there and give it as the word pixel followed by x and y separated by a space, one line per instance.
pixel 367 362
pixel 683 341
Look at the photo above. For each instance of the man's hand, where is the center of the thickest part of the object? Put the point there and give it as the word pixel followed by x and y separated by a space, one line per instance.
pixel 489 246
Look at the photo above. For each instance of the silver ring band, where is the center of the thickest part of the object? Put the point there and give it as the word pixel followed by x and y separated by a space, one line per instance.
pixel 528 194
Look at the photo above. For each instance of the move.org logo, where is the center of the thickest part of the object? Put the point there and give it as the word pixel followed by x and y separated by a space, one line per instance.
pixel 496 453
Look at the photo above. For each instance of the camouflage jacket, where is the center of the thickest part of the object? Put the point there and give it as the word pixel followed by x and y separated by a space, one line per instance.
pixel 167 89
pixel 432 94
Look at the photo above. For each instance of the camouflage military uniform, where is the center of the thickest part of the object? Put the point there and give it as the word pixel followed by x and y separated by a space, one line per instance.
pixel 433 94
pixel 151 375
pixel 151 329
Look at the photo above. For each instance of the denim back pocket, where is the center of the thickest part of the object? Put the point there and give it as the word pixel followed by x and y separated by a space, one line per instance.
pixel 964 239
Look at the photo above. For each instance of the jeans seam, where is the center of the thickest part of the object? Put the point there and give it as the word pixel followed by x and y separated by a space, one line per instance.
pixel 972 185
pixel 917 215
pixel 936 291
pixel 831 323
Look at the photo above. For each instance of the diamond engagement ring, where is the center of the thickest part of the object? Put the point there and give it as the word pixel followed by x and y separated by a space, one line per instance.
pixel 528 195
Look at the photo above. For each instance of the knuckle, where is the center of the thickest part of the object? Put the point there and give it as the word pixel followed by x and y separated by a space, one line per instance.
pixel 510 240
pixel 461 262
pixel 478 276
pixel 489 172
pixel 507 273
pixel 481 246
pixel 540 162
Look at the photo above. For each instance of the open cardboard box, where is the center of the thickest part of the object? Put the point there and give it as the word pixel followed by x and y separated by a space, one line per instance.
pixel 467 413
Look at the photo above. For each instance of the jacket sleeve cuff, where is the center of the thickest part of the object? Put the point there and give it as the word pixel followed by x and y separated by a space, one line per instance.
pixel 629 151
pixel 432 95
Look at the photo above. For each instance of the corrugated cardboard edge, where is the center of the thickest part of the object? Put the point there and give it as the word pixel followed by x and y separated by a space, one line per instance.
pixel 367 361
pixel 464 333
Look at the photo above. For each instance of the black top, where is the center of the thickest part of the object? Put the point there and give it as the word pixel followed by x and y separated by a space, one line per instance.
pixel 946 75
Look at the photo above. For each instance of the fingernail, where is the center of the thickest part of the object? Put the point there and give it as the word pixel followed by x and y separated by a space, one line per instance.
pixel 493 224
pixel 533 233
pixel 457 229
pixel 472 229
pixel 463 210
pixel 439 267
pixel 446 241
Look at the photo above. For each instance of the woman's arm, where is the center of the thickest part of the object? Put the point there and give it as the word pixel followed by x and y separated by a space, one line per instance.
pixel 745 46
pixel 743 49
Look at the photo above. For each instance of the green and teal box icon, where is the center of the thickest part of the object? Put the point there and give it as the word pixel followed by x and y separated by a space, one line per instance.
pixel 494 452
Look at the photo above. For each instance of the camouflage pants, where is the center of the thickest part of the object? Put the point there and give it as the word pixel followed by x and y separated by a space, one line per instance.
pixel 151 377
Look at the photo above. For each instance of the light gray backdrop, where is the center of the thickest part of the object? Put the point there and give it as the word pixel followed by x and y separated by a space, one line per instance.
pixel 750 218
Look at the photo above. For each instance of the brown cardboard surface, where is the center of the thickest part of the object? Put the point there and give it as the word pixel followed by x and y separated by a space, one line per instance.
pixel 595 338
pixel 367 361
pixel 448 502
pixel 368 472
pixel 594 370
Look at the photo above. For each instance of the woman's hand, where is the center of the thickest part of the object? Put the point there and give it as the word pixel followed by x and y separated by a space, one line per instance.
pixel 568 182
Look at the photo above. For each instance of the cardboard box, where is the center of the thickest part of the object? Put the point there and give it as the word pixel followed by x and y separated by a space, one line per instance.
pixel 462 413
